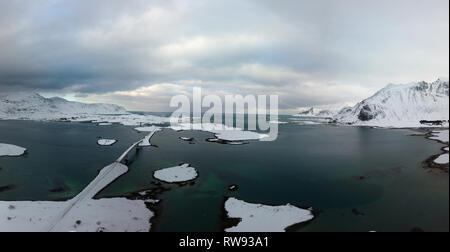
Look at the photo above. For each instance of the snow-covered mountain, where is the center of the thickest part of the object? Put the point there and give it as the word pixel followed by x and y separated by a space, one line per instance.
pixel 321 111
pixel 33 106
pixel 315 112
pixel 410 105
pixel 308 112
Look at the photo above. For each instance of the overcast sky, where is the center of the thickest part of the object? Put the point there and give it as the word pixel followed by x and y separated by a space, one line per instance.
pixel 139 53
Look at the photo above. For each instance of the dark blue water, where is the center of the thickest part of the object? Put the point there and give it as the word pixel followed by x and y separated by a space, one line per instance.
pixel 318 166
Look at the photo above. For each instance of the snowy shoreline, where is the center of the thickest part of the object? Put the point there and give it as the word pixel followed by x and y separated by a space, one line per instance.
pixel 441 160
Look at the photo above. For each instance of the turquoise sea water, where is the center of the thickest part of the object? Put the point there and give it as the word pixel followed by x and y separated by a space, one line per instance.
pixel 317 165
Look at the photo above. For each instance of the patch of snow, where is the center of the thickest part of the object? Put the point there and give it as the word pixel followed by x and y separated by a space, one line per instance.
pixel 11 150
pixel 440 135
pixel 105 124
pixel 221 131
pixel 402 106
pixel 446 148
pixel 261 218
pixel 442 159
pixel 152 201
pixel 233 188
pixel 144 193
pixel 106 142
pixel 176 174
pixel 278 122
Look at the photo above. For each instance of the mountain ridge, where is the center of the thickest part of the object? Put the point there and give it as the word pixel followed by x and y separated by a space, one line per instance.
pixel 401 105
pixel 33 106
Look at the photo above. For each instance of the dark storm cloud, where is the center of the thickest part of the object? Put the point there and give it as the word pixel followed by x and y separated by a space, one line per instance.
pixel 305 51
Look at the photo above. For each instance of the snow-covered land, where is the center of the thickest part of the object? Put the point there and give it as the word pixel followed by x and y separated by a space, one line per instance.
pixel 32 106
pixel 82 213
pixel 261 218
pixel 419 104
pixel 221 131
pixel 10 150
pixel 440 135
pixel 442 159
pixel 106 142
pixel 104 215
pixel 177 174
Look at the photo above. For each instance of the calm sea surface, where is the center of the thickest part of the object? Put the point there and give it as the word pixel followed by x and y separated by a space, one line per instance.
pixel 317 165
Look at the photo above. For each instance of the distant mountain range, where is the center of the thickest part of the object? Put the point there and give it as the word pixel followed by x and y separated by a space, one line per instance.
pixel 410 105
pixel 321 111
pixel 405 105
pixel 33 106
pixel 314 112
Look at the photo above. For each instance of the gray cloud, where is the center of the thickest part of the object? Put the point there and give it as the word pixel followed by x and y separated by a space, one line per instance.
pixel 308 52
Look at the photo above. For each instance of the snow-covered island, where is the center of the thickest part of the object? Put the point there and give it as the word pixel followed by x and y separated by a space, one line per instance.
pixel 262 218
pixel 177 174
pixel 106 142
pixel 10 150
pixel 412 105
pixel 221 132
